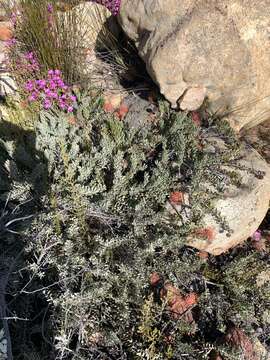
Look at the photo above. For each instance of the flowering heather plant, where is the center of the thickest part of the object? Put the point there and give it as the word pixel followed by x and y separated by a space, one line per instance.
pixel 54 36
pixel 50 8
pixel 112 5
pixel 51 91
pixel 257 236
pixel 57 39
pixel 23 66
pixel 14 18
pixel 50 11
pixel 29 62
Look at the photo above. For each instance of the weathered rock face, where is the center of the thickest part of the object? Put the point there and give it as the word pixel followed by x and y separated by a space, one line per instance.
pixel 5 31
pixel 243 208
pixel 259 138
pixel 7 84
pixel 97 24
pixel 221 47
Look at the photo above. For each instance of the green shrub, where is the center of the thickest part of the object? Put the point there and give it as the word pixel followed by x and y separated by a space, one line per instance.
pixel 97 188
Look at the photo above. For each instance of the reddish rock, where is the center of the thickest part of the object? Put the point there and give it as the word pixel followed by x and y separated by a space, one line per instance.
pixel 179 304
pixel 238 339
pixel 155 279
pixel 206 233
pixel 122 111
pixel 108 107
pixel 196 118
pixel 72 120
pixel 5 31
pixel 215 356
pixel 177 197
pixel 203 255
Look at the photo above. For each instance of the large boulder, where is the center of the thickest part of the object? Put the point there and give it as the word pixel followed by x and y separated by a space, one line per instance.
pixel 238 211
pixel 259 138
pixel 217 48
pixel 243 208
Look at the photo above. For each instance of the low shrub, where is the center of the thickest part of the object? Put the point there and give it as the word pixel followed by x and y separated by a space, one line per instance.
pixel 96 189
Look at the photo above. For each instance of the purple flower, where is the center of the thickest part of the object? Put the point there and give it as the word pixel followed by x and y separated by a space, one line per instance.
pixel 29 55
pixel 60 83
pixel 29 86
pixel 54 95
pixel 41 83
pixel 62 105
pixel 52 84
pixel 52 91
pixel 10 43
pixel 257 235
pixel 29 62
pixel 47 91
pixel 73 98
pixel 14 18
pixel 50 8
pixel 112 5
pixel 47 104
pixel 33 97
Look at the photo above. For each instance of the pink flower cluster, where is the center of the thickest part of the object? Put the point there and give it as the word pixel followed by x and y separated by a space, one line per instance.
pixel 26 63
pixel 29 62
pixel 51 91
pixel 9 44
pixel 50 15
pixel 257 236
pixel 23 64
pixel 13 19
pixel 50 8
pixel 112 5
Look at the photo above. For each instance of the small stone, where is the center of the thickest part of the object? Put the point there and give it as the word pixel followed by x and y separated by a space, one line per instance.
pixel 114 99
pixel 155 279
pixel 7 85
pixel 196 118
pixel 122 111
pixel 263 278
pixel 108 107
pixel 214 355
pixel 193 98
pixel 6 32
pixel 236 338
pixel 208 233
pixel 203 255
pixel 96 338
pixel 97 24
pixel 259 245
pixel 179 304
pixel 177 197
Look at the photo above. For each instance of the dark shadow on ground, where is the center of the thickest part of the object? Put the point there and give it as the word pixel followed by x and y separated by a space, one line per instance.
pixel 259 138
pixel 23 180
pixel 131 72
